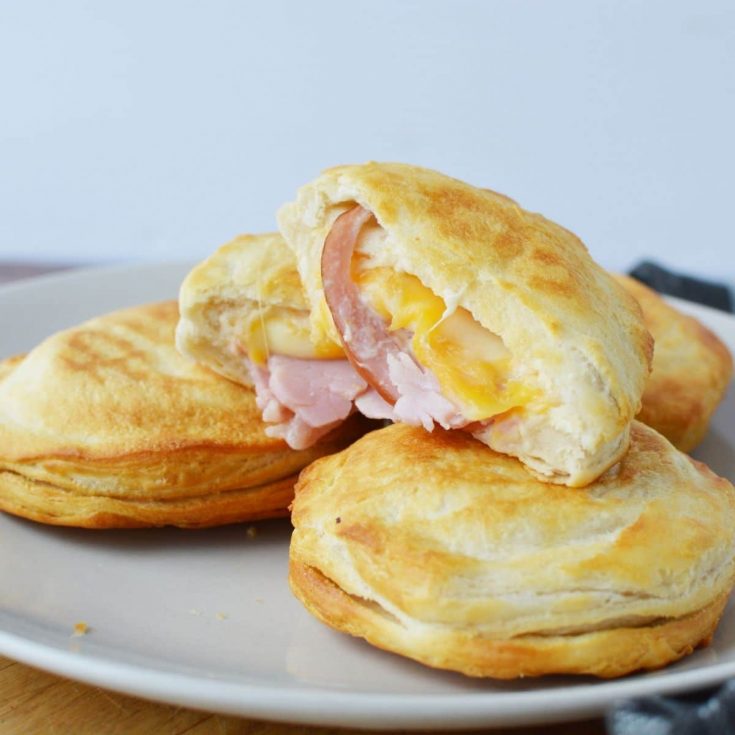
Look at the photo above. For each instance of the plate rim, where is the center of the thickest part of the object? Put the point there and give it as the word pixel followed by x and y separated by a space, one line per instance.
pixel 376 711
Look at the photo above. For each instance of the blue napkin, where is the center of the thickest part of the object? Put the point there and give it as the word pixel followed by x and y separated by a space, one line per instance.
pixel 702 713
pixel 709 293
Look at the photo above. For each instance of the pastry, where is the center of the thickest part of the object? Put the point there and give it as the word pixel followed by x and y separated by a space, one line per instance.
pixel 461 309
pixel 246 300
pixel 434 547
pixel 106 425
pixel 691 370
pixel 244 315
pixel 245 305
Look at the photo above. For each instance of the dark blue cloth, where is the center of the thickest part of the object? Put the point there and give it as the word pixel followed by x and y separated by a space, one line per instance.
pixel 705 713
pixel 709 293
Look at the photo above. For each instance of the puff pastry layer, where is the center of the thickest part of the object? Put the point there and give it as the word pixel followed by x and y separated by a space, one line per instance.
pixel 247 291
pixel 691 370
pixel 576 340
pixel 105 424
pixel 436 548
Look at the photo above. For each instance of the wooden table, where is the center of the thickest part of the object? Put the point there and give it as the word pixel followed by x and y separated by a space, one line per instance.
pixel 33 701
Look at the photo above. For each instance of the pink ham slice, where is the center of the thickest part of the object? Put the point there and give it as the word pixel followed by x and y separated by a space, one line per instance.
pixel 374 406
pixel 420 399
pixel 381 357
pixel 364 336
pixel 305 399
pixel 271 409
pixel 298 434
pixel 319 391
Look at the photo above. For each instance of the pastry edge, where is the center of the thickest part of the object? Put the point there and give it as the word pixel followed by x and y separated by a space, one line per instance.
pixel 606 653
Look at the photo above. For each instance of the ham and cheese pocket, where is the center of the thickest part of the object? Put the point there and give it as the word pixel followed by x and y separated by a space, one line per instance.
pixel 462 309
pixel 106 425
pixel 436 548
pixel 690 374
pixel 244 315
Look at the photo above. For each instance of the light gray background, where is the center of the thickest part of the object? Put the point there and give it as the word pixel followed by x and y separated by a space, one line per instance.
pixel 158 130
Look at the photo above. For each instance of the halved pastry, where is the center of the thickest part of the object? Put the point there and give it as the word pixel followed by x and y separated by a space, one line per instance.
pixel 244 315
pixel 691 370
pixel 106 425
pixel 436 548
pixel 462 309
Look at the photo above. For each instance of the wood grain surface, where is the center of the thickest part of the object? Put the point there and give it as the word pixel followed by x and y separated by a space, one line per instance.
pixel 33 701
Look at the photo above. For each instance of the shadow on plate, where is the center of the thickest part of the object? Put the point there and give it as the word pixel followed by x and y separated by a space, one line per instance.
pixel 258 534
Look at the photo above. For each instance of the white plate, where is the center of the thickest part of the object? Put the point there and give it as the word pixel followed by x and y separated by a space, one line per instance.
pixel 205 618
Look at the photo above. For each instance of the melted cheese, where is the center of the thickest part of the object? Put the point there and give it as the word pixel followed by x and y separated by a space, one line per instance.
pixel 471 363
pixel 275 330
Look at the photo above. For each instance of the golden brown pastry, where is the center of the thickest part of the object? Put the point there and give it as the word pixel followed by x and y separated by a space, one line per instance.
pixel 246 300
pixel 245 316
pixel 462 309
pixel 691 370
pixel 106 425
pixel 434 547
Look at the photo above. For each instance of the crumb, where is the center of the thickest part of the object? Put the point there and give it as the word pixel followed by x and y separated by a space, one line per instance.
pixel 259 599
pixel 80 629
pixel 221 616
pixel 338 520
pixel 194 611
pixel 251 531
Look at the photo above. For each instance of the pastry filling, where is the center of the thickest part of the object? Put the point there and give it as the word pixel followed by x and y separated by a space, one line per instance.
pixel 392 326
pixel 409 358
pixel 304 399
pixel 279 330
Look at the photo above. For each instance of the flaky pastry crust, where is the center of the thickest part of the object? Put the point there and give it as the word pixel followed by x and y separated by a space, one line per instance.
pixel 105 424
pixel 578 335
pixel 607 654
pixel 436 548
pixel 691 370
pixel 251 274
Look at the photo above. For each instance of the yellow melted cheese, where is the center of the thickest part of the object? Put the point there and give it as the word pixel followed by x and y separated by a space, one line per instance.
pixel 275 330
pixel 471 363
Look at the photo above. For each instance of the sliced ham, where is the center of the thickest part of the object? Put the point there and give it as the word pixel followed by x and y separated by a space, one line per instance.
pixel 319 391
pixel 272 410
pixel 420 399
pixel 382 357
pixel 363 332
pixel 304 399
pixel 374 406
pixel 297 433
